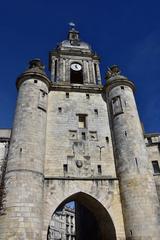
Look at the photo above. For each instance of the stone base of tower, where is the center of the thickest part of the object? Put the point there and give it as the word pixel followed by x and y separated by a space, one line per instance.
pixel 22 217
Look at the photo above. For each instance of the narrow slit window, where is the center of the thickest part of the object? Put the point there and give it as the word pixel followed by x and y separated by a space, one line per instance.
pixel 82 121
pixel 83 136
pixel 55 73
pixel 96 111
pixel 67 95
pixel 156 167
pixel 65 168
pixel 99 169
pixel 59 109
pixel 95 72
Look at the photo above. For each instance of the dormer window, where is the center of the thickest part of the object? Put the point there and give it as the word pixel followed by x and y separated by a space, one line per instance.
pixel 76 74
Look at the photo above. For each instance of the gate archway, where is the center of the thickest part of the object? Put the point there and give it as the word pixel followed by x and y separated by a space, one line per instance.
pixel 92 220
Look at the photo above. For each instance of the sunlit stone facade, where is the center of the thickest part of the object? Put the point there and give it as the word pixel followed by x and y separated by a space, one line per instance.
pixel 74 139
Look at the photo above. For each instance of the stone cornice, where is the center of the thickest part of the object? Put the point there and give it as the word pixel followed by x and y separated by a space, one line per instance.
pixel 94 178
pixel 77 88
pixel 25 76
pixel 117 82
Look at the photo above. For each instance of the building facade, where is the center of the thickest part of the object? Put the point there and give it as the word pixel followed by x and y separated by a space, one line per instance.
pixel 74 139
pixel 62 224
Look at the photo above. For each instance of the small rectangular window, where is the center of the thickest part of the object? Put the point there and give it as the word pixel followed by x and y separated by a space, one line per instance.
pixel 107 139
pixel 35 81
pixel 99 169
pixel 67 95
pixel 83 136
pixel 156 168
pixel 67 236
pixel 59 109
pixel 96 111
pixel 65 168
pixel 149 140
pixel 82 121
pixel 122 87
pixel 87 96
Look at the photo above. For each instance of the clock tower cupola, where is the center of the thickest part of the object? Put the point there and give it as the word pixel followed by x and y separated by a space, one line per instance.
pixel 73 62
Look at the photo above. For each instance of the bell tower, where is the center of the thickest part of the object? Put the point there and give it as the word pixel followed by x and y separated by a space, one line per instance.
pixel 74 62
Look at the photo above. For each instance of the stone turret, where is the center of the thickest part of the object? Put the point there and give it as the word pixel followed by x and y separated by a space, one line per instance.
pixel 137 188
pixel 24 174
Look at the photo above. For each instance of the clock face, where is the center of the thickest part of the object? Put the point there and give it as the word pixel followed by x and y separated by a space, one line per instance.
pixel 76 66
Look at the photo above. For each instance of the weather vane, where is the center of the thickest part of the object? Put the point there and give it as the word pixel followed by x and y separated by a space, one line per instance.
pixel 72 25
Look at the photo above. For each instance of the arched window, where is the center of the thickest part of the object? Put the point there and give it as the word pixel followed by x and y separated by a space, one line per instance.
pixel 76 73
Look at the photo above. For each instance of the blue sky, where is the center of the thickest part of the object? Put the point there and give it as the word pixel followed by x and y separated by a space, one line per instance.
pixel 126 33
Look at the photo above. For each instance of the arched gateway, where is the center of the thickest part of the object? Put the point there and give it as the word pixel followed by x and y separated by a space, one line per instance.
pixel 92 221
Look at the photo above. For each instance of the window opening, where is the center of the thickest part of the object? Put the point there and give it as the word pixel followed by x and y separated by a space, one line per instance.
pixel 83 136
pixel 149 140
pixel 55 73
pixel 59 109
pixel 67 95
pixel 156 167
pixel 122 87
pixel 82 121
pixel 76 75
pixel 96 111
pixel 35 81
pixel 107 139
pixel 95 71
pixel 87 96
pixel 117 106
pixel 65 168
pixel 99 169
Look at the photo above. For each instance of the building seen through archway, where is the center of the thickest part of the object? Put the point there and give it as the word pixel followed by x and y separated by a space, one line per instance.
pixel 81 219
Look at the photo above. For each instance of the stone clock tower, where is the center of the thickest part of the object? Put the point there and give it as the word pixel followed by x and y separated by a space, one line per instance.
pixel 73 62
pixel 76 140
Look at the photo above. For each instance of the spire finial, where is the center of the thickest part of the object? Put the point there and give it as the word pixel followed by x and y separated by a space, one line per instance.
pixel 73 35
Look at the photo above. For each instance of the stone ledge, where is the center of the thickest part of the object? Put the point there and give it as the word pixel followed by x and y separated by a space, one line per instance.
pixel 81 178
pixel 77 88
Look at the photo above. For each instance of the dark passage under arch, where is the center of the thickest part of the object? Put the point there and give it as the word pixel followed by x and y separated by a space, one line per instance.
pixel 91 218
